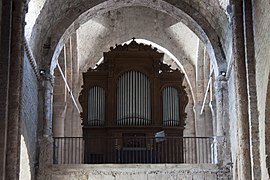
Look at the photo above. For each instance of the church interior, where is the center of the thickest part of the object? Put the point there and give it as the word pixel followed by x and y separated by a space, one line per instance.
pixel 134 89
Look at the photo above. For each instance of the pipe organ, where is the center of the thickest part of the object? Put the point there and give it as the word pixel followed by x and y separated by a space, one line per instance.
pixel 132 93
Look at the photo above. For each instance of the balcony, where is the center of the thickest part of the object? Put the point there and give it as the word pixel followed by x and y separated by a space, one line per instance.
pixel 134 150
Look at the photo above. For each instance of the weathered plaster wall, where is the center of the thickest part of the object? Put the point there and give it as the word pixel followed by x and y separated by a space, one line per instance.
pixel 29 112
pixel 262 56
pixel 133 171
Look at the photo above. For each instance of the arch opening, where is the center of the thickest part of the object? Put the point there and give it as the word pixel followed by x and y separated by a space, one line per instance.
pixel 175 59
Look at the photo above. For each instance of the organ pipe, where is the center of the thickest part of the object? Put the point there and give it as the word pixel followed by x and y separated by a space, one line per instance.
pixel 96 106
pixel 133 99
pixel 171 115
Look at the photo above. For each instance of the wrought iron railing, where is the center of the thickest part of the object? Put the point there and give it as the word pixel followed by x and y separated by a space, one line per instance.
pixel 100 150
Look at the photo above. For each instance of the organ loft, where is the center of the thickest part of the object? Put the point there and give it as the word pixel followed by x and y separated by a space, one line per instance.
pixel 131 97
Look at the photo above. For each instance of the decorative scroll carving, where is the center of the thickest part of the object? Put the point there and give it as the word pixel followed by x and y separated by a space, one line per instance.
pixel 133 46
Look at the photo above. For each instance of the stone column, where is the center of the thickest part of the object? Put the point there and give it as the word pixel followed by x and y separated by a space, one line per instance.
pixel 46 140
pixel 208 120
pixel 190 123
pixel 222 121
pixel 200 118
pixel 207 109
pixel 6 9
pixel 59 101
pixel 213 108
pixel 220 87
pixel 14 96
pixel 76 123
pixel 68 76
pixel 72 120
pixel 203 120
pixel 251 88
pixel 47 106
pixel 200 121
pixel 244 163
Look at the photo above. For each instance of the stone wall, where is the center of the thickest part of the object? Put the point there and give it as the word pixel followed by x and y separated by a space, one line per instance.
pixel 29 111
pixel 262 57
pixel 134 171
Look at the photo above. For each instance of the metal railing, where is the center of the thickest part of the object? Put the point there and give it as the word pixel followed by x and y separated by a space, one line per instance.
pixel 101 150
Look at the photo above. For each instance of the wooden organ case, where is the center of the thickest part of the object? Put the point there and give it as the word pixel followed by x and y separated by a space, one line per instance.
pixel 126 100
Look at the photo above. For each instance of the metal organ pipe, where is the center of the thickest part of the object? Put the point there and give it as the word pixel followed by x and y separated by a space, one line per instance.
pixel 170 107
pixel 96 106
pixel 145 98
pixel 133 99
pixel 138 98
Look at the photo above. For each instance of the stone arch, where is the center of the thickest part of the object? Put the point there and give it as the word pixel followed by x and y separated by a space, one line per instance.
pixel 111 37
pixel 267 126
pixel 49 37
pixel 160 38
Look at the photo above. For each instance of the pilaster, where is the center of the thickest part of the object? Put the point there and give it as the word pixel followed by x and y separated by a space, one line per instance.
pixel 244 158
pixel 46 140
pixel 15 83
pixel 222 121
pixel 6 9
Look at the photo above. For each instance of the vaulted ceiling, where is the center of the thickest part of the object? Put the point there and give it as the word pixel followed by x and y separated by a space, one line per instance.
pixel 174 25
